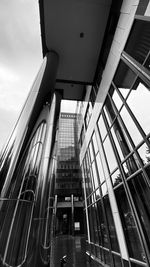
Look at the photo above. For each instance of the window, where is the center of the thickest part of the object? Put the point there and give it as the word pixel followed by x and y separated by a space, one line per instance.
pixel 139 40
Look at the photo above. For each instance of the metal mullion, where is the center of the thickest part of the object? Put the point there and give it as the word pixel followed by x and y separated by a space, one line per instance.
pixel 134 65
pixel 125 245
pixel 131 203
pixel 134 147
pixel 103 206
pixel 140 17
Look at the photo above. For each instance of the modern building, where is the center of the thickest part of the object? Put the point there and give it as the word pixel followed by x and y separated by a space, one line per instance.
pixel 97 53
pixel 68 181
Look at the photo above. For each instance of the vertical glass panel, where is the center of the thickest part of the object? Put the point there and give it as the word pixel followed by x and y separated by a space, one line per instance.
pixel 110 111
pixel 139 40
pixel 124 78
pixel 111 225
pixel 100 168
pixel 112 163
pixel 88 176
pixel 104 189
pixel 130 165
pixel 147 63
pixel 116 98
pixel 140 192
pixel 144 152
pixel 102 127
pixel 134 245
pixel 118 141
pixel 95 177
pixel 133 130
pixel 15 233
pixel 116 178
pixel 140 109
pixel 95 144
pixel 107 257
pixel 103 226
pixel 91 224
pixel 93 210
pixel 97 193
pixel 117 260
pixel 91 151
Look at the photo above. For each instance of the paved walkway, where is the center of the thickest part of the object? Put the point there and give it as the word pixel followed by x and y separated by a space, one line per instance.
pixel 73 247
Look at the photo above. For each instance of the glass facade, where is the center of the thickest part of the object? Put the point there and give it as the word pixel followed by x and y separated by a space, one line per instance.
pixel 16 211
pixel 116 164
pixel 68 177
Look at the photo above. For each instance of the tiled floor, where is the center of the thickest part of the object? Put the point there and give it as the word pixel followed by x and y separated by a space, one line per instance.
pixel 73 247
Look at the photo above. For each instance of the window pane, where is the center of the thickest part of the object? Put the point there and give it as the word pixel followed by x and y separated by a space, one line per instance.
pixel 140 109
pixel 124 78
pixel 100 168
pixel 116 98
pixel 118 141
pixel 112 230
pixel 110 111
pixel 133 130
pixel 130 165
pixel 103 227
pixel 95 144
pixel 131 234
pixel 139 40
pixel 116 178
pixel 144 152
pixel 141 196
pixel 95 177
pixel 110 154
pixel 91 151
pixel 102 127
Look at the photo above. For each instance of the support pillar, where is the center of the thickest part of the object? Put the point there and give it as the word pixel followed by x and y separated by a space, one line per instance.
pixel 72 214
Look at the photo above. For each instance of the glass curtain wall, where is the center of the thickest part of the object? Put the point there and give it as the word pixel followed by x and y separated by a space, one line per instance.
pixel 124 137
pixel 16 211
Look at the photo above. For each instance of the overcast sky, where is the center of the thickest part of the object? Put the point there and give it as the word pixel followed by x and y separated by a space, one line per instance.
pixel 20 58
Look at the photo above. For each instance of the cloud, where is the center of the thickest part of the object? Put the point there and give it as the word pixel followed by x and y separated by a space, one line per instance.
pixel 7 120
pixel 20 43
pixel 13 89
pixel 20 57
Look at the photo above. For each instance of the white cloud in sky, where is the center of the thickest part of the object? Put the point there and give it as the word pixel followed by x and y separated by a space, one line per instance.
pixel 20 57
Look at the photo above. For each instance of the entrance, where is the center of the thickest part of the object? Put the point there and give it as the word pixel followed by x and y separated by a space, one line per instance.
pixel 63 221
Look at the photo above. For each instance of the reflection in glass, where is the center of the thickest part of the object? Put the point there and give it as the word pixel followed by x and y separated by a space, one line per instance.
pixel 135 248
pixel 91 151
pixel 110 155
pixel 91 224
pixel 104 189
pixel 116 98
pixel 95 176
pixel 116 178
pixel 138 101
pixel 95 144
pixel 103 226
pixel 17 211
pixel 118 141
pixel 100 168
pixel 110 111
pixel 144 152
pixel 141 195
pixel 111 225
pixel 102 127
pixel 139 40
pixel 133 130
pixel 124 78
pixel 130 165
pixel 119 135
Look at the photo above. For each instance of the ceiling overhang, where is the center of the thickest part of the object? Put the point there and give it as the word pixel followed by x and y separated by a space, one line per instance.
pixel 75 30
